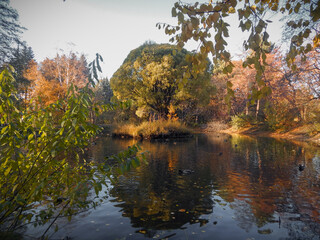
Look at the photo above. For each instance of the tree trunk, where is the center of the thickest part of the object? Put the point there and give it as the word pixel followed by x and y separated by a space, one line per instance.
pixel 247 108
pixel 257 109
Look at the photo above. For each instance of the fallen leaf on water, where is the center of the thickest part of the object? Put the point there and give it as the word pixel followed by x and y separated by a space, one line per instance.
pixel 265 231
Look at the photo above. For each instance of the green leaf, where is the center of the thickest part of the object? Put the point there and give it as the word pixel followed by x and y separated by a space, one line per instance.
pixel 229 84
pixel 266 91
pixel 265 36
pixel 229 69
pixel 98 66
pixel 297 7
pixel 174 52
pixel 173 12
pixel 248 24
pixel 180 17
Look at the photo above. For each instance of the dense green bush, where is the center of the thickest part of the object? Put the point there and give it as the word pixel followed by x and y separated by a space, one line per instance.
pixel 240 121
pixel 41 160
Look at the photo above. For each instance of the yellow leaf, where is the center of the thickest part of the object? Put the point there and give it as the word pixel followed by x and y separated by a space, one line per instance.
pixel 316 41
pixel 231 10
pixel 7 171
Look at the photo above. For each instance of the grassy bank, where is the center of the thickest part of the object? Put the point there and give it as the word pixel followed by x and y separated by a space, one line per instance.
pixel 151 130
pixel 304 133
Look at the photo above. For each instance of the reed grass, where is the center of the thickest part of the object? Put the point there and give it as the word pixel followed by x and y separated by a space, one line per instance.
pixel 154 129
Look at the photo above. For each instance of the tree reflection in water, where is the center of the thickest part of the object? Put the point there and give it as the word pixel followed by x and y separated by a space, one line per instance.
pixel 258 179
pixel 239 187
pixel 157 197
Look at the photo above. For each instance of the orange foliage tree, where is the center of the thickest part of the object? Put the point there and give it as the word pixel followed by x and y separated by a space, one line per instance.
pixel 54 76
pixel 293 95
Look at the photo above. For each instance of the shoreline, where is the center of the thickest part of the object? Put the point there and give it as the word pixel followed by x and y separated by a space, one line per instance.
pixel 298 135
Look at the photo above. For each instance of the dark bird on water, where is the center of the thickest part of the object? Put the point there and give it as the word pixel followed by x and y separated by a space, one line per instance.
pixel 301 167
pixel 185 171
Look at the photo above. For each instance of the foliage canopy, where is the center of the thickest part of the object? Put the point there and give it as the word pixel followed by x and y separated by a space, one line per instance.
pixel 157 77
pixel 208 24
pixel 10 31
pixel 42 161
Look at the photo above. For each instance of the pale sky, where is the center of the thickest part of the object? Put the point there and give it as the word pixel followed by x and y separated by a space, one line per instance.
pixel 111 28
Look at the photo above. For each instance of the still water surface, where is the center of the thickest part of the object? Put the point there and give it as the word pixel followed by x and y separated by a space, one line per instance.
pixel 208 187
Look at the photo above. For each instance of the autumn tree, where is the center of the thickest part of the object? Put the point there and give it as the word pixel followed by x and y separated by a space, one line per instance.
pixel 58 74
pixel 158 78
pixel 295 93
pixel 299 88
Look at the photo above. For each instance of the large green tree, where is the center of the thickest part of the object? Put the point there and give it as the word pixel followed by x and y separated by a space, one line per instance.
pixel 159 79
pixel 10 31
pixel 21 61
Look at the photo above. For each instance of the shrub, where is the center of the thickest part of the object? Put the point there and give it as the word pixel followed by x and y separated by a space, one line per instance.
pixel 240 121
pixel 41 160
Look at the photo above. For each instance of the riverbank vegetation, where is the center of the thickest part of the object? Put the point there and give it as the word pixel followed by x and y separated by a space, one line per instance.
pixel 270 87
pixel 153 129
pixel 293 99
pixel 46 174
pixel 288 100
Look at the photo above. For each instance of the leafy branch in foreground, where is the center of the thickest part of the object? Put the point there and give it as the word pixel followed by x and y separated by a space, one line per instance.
pixel 45 173
pixel 207 23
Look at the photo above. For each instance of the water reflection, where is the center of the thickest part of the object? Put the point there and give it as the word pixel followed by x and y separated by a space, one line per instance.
pixel 257 180
pixel 238 188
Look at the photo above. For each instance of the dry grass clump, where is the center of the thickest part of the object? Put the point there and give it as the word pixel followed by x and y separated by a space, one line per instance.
pixel 155 129
pixel 127 130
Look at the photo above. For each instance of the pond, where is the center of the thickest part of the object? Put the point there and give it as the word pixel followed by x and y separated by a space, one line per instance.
pixel 207 187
